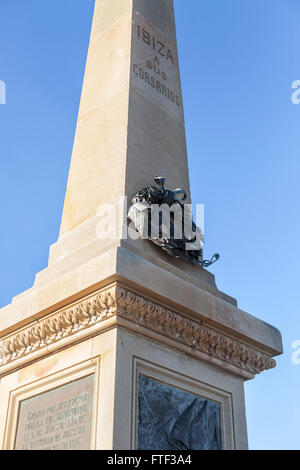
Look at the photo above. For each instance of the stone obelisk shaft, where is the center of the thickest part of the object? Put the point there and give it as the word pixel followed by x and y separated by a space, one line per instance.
pixel 130 124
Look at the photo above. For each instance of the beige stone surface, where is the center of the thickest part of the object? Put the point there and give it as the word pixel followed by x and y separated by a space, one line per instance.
pixel 208 306
pixel 106 13
pixel 121 305
pixel 101 134
pixel 157 283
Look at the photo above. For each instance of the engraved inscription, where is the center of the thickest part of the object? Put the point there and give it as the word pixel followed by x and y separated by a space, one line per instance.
pixel 60 419
pixel 155 43
pixel 155 70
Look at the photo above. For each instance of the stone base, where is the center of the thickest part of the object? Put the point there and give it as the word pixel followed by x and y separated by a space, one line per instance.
pixel 118 358
pixel 179 332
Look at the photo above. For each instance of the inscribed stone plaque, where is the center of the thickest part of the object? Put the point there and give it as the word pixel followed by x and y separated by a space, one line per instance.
pixel 171 419
pixel 155 68
pixel 60 419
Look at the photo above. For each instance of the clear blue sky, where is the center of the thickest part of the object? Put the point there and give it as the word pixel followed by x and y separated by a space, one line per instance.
pixel 238 61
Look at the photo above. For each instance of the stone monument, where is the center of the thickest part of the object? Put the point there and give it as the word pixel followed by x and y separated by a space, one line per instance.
pixel 118 345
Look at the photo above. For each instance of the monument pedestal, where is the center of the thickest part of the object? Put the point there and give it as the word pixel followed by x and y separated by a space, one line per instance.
pixel 138 331
pixel 118 345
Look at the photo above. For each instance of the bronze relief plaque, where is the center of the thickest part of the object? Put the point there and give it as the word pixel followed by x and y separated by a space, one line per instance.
pixel 172 419
pixel 59 419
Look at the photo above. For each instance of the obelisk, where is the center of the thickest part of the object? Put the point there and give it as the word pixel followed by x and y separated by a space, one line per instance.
pixel 119 345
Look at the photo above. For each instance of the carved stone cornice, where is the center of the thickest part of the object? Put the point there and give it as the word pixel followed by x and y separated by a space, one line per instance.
pixel 119 302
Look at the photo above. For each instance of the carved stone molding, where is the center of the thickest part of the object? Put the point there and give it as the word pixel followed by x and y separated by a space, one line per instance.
pixel 195 334
pixel 120 302
pixel 59 325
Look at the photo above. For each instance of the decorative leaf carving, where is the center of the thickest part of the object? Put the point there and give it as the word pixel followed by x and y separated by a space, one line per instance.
pixel 120 302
